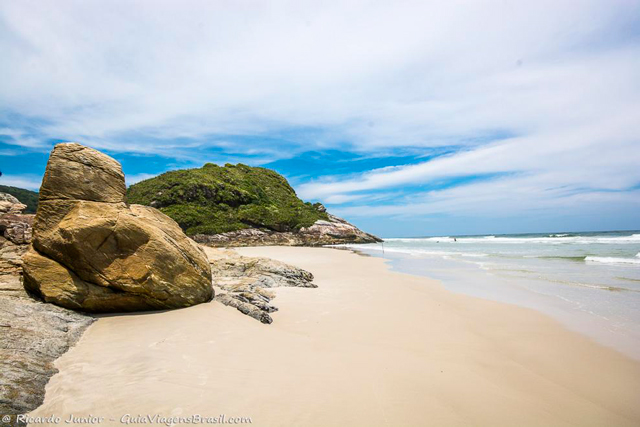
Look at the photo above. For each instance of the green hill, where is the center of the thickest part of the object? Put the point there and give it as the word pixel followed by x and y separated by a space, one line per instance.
pixel 28 197
pixel 215 199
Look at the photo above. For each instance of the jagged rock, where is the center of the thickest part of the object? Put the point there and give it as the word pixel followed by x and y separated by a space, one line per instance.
pixel 15 234
pixel 93 252
pixel 332 232
pixel 11 256
pixel 336 231
pixel 244 281
pixel 33 335
pixel 245 308
pixel 17 228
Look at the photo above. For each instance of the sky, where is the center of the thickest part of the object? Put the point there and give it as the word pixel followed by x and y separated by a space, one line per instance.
pixel 406 118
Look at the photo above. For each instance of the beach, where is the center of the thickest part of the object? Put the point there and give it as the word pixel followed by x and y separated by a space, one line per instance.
pixel 368 347
pixel 588 281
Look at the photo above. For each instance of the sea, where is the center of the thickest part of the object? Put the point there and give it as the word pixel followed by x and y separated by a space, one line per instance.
pixel 588 281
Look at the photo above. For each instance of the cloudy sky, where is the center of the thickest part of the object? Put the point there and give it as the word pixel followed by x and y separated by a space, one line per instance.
pixel 408 118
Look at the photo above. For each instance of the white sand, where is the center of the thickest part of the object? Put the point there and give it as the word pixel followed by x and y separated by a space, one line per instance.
pixel 369 347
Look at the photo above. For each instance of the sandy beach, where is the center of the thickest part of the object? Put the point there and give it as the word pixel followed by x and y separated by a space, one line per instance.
pixel 368 347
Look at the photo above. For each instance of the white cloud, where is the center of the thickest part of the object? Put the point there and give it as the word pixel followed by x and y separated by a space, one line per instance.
pixel 400 73
pixel 28 181
pixel 558 79
pixel 603 155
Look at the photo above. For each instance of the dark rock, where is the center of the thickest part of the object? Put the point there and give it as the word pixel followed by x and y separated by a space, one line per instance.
pixel 33 335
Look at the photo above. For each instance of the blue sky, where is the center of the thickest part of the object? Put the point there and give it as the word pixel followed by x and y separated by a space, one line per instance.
pixel 406 118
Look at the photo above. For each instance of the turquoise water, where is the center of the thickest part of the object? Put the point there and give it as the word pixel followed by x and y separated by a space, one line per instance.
pixel 589 281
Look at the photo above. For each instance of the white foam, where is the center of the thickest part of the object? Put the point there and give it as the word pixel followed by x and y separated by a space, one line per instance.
pixel 412 251
pixel 553 239
pixel 611 260
pixel 422 239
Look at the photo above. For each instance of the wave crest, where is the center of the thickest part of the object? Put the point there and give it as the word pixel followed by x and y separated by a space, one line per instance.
pixel 612 260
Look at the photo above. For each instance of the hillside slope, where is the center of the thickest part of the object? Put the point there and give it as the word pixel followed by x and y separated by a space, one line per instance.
pixel 238 205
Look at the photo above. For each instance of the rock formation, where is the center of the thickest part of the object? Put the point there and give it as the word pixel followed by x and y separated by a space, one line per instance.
pixel 26 197
pixel 245 281
pixel 32 334
pixel 332 231
pixel 15 234
pixel 10 205
pixel 93 252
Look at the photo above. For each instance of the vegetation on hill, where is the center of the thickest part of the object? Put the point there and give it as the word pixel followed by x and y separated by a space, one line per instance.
pixel 215 199
pixel 28 197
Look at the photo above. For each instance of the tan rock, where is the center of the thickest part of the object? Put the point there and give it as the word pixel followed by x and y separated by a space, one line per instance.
pixel 56 284
pixel 77 172
pixel 104 255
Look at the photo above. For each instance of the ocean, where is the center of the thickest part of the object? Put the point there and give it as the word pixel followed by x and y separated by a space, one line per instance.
pixel 588 281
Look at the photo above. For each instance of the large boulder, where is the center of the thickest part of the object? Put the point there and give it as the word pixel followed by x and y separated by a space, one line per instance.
pixel 94 252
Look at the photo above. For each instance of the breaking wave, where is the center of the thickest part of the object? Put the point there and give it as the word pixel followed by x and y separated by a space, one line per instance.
pixel 612 260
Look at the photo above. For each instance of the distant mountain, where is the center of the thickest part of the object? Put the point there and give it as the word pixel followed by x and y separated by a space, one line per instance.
pixel 215 199
pixel 28 197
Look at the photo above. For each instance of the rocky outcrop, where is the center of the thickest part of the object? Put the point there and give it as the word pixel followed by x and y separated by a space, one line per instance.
pixel 93 252
pixel 244 282
pixel 15 234
pixel 333 231
pixel 10 205
pixel 26 197
pixel 32 334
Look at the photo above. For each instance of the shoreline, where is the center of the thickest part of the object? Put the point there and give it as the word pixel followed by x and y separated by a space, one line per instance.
pixel 457 276
pixel 369 346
